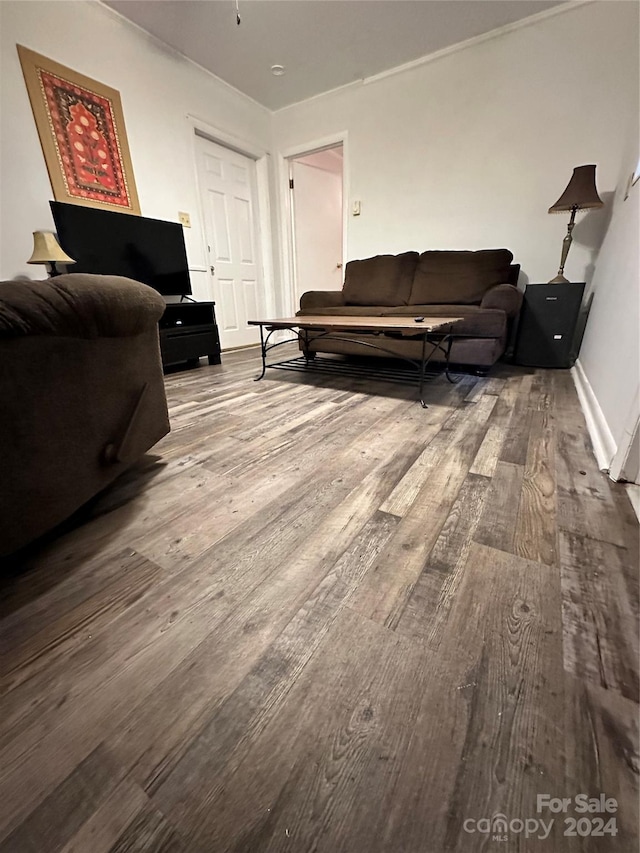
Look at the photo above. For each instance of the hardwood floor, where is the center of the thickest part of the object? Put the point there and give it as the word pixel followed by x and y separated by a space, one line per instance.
pixel 320 619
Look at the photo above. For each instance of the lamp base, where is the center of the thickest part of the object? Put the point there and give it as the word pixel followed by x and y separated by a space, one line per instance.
pixel 559 279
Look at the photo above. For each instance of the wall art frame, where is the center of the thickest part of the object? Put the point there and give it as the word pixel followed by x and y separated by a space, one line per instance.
pixel 82 132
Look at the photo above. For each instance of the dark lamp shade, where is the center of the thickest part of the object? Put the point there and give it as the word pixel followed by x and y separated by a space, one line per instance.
pixel 581 191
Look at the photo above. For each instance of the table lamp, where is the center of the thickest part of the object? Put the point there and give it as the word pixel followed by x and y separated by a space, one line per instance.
pixel 46 250
pixel 580 194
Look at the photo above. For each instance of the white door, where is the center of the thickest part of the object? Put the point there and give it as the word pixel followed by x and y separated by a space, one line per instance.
pixel 317 220
pixel 228 187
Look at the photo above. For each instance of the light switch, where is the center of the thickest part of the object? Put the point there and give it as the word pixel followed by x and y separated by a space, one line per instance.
pixel 356 208
pixel 184 219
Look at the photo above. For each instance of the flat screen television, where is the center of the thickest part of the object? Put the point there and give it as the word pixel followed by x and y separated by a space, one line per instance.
pixel 105 242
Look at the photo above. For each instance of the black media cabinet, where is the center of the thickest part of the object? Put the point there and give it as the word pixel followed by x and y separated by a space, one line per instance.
pixel 189 330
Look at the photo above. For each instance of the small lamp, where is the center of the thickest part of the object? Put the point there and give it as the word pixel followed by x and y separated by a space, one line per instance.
pixel 46 250
pixel 580 194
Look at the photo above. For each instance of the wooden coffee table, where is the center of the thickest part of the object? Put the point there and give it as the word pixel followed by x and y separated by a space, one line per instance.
pixel 436 333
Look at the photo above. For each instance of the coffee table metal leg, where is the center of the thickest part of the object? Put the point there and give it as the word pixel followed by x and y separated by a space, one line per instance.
pixel 263 351
pixel 305 346
pixel 453 379
pixel 422 369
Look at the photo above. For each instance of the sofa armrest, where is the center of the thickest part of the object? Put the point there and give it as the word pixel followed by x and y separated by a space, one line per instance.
pixel 506 297
pixel 321 299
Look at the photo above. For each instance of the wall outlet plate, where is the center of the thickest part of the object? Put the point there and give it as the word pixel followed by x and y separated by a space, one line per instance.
pixel 184 219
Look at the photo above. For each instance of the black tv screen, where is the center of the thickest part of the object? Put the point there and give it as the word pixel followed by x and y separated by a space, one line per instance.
pixel 109 243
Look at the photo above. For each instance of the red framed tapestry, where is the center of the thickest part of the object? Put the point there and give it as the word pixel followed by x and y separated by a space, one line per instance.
pixel 81 128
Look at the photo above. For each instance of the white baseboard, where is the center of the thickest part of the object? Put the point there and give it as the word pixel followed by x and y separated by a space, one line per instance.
pixel 604 446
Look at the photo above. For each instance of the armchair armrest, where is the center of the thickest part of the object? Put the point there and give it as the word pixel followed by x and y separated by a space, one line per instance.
pixel 506 297
pixel 313 299
pixel 78 305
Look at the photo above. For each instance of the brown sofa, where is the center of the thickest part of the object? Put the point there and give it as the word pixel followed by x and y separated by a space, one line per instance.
pixel 479 286
pixel 82 394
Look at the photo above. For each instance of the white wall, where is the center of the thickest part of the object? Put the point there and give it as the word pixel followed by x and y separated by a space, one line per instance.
pixel 470 150
pixel 610 355
pixel 158 89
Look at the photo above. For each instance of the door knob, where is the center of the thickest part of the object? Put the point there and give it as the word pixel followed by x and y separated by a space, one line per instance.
pixel 338 266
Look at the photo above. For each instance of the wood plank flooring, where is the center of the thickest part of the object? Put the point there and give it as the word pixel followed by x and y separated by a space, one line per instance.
pixel 317 617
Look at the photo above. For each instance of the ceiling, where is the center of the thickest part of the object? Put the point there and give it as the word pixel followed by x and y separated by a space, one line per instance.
pixel 322 44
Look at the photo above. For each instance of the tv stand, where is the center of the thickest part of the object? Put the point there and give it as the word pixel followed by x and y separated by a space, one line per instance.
pixel 188 330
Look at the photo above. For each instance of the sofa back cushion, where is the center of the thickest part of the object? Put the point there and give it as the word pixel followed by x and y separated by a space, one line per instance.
pixel 382 280
pixel 463 277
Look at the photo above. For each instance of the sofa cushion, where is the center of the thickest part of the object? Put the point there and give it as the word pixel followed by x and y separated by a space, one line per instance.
pixel 382 280
pixel 458 277
pixel 484 322
pixel 78 306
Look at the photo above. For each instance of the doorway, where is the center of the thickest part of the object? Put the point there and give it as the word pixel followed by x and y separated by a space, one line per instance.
pixel 316 186
pixel 228 189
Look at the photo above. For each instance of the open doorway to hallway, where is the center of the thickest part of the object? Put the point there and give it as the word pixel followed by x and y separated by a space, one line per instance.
pixel 316 184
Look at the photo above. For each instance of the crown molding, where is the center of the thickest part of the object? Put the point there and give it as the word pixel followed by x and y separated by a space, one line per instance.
pixel 569 6
pixel 488 36
pixel 113 13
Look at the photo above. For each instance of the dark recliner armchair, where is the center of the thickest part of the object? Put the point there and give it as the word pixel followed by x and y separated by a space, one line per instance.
pixel 81 394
